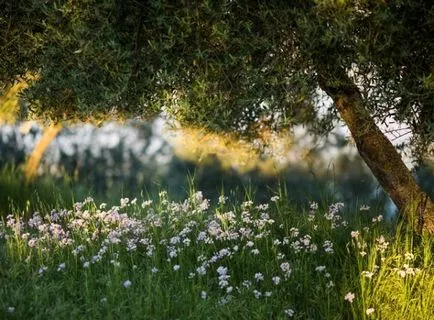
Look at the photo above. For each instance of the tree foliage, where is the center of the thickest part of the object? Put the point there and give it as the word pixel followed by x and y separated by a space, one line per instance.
pixel 223 65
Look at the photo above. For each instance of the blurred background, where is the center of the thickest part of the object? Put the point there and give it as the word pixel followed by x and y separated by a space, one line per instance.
pixel 138 159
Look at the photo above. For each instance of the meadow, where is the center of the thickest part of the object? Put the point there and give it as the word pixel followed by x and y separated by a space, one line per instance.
pixel 199 259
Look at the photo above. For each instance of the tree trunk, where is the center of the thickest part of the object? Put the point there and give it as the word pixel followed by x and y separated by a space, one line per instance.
pixel 380 155
pixel 35 158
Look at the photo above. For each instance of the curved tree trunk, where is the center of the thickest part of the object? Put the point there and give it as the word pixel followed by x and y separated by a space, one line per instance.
pixel 34 160
pixel 380 155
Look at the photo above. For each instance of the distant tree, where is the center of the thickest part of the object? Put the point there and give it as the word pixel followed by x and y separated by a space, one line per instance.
pixel 237 65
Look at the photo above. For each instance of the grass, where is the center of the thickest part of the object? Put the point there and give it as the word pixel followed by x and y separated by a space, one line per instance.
pixel 192 259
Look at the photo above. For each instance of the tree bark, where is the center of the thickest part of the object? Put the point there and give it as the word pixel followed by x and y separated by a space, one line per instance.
pixel 379 154
pixel 32 165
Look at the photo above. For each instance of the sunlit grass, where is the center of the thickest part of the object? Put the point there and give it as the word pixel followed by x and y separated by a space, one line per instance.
pixel 194 259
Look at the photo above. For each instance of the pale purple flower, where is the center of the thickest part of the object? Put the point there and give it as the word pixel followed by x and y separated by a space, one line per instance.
pixel 349 297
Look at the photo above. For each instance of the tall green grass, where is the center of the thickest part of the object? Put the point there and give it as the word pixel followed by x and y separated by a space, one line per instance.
pixel 193 259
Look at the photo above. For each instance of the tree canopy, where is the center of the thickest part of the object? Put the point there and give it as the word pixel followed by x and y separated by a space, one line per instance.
pixel 221 64
pixel 231 65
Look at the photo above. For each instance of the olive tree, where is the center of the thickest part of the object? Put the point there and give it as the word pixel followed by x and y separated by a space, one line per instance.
pixel 236 66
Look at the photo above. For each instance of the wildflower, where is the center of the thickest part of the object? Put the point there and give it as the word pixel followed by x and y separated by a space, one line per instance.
pixel 103 300
pixel 367 274
pixel 247 283
pixel 250 244
pixel 285 266
pixel 229 289
pixel 349 297
pixel 222 199
pixel 369 311
pixel 328 246
pixel 86 264
pixel 176 267
pixel 268 293
pixel 127 283
pixel 201 270
pixel 294 232
pixel 276 280
pixel 255 252
pixel 61 267
pixel 313 206
pixel 42 269
pixel 146 203
pixel 364 208
pixel 275 198
pixel 222 270
pixel 124 202
pixel 289 312
pixel 224 252
pixel 154 270
pixel 382 244
pixel 259 277
pixel 257 294
pixel 203 295
pixel 11 309
pixel 320 268
pixel 377 218
pixel 409 256
pixel 355 234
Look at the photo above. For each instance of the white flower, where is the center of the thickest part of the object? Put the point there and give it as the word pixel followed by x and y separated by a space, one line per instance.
pixel 367 274
pixel 61 266
pixel 86 264
pixel 378 218
pixel 146 203
pixel 103 300
pixel 369 311
pixel 11 309
pixel 276 280
pixel 257 294
pixel 289 312
pixel 222 199
pixel 259 277
pixel 201 270
pixel 222 270
pixel 349 297
pixel 124 202
pixel 275 198
pixel 409 256
pixel 355 234
pixel 154 270
pixel 203 295
pixel 127 283
pixel 42 269
pixel 364 208
pixel 176 267
pixel 268 293
pixel 285 266
pixel 320 268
